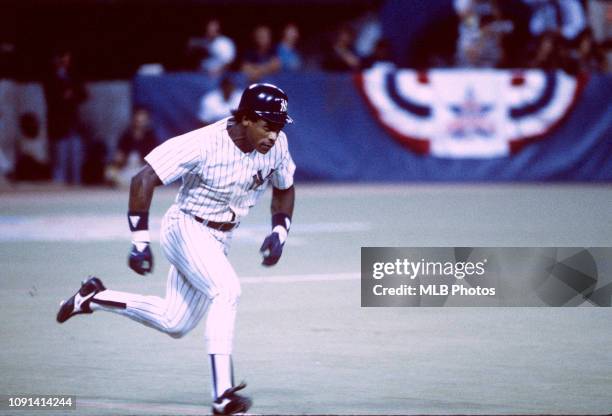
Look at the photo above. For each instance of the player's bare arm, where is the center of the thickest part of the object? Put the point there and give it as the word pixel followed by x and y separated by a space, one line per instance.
pixel 141 189
pixel 283 200
pixel 141 193
pixel 282 211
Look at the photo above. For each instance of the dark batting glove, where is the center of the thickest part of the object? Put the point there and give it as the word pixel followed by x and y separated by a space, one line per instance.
pixel 141 258
pixel 271 249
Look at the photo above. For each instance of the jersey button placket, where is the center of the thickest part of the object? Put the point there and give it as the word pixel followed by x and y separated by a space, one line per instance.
pixel 239 190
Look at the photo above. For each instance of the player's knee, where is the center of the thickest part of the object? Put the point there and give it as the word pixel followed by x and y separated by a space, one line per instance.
pixel 230 294
pixel 177 334
pixel 177 331
pixel 231 291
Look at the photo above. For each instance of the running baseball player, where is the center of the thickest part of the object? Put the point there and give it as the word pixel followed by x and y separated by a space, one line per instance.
pixel 225 167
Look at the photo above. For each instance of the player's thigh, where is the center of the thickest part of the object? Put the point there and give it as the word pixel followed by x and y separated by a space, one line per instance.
pixel 186 304
pixel 193 250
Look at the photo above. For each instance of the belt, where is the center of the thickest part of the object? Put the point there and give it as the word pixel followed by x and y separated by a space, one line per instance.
pixel 221 226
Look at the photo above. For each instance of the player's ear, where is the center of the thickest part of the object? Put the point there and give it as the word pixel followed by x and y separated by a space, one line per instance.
pixel 245 122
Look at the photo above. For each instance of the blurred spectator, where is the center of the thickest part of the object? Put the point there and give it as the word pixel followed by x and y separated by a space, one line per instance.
pixel 588 55
pixel 261 60
pixel 219 103
pixel 481 31
pixel 135 143
pixel 369 32
pixel 567 17
pixel 286 50
pixel 564 20
pixel 380 56
pixel 31 161
pixel 341 56
pixel 544 17
pixel 64 93
pixel 6 165
pixel 551 53
pixel 600 20
pixel 212 52
pixel 94 168
pixel 5 169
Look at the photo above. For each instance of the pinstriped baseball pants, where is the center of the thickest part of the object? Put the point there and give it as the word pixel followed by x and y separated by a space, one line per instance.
pixel 200 279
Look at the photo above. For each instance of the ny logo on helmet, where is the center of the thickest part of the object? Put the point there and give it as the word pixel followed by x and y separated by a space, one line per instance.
pixel 283 104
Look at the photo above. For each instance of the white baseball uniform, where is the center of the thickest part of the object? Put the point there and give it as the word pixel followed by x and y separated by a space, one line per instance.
pixel 220 183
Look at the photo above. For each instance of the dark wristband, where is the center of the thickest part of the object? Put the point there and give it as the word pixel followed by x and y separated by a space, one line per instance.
pixel 138 221
pixel 281 219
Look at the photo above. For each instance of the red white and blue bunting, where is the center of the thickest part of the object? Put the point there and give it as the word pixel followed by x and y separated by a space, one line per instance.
pixel 468 113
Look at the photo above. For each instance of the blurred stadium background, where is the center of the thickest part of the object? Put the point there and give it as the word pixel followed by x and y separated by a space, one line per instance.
pixel 413 147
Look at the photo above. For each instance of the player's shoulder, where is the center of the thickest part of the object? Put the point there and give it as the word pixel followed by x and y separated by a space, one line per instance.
pixel 282 141
pixel 282 137
pixel 211 131
pixel 280 149
pixel 203 136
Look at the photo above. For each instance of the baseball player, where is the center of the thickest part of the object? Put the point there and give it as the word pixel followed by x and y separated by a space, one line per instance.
pixel 225 167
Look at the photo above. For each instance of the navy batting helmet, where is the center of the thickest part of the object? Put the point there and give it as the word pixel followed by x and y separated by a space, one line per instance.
pixel 267 101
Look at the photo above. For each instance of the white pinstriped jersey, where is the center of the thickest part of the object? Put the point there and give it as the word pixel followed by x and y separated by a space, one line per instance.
pixel 220 182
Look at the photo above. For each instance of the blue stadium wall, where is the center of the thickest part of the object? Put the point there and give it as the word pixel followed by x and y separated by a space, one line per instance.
pixel 337 138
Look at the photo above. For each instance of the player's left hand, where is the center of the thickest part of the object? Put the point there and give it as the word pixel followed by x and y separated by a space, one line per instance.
pixel 271 249
pixel 141 258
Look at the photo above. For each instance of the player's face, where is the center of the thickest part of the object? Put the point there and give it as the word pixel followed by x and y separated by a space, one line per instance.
pixel 262 135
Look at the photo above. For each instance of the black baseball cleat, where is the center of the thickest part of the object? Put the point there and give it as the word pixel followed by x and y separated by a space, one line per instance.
pixel 79 302
pixel 230 403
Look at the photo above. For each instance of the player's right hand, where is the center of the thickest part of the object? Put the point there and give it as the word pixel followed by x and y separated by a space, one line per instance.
pixel 141 258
